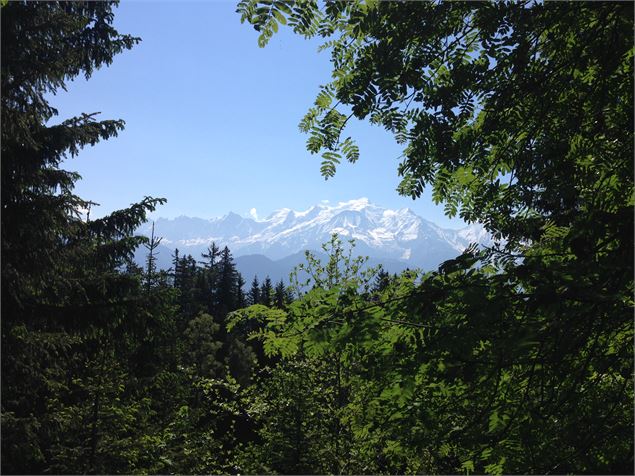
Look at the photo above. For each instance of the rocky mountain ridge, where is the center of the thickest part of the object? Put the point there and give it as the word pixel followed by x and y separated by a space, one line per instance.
pixel 378 232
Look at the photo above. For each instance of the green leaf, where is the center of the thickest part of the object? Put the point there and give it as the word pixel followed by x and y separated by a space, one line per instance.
pixel 280 17
pixel 494 421
pixel 467 466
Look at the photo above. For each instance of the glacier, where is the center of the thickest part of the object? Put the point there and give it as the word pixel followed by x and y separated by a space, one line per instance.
pixel 380 233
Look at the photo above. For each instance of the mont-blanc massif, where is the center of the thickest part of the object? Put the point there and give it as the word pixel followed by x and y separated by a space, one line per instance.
pixel 396 239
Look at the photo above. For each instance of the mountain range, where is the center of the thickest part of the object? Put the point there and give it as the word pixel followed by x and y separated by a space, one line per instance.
pixel 398 239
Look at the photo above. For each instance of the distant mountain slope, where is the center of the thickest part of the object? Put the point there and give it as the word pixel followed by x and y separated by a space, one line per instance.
pixel 396 238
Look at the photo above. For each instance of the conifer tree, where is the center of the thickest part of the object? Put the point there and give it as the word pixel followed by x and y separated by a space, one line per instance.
pixel 211 270
pixel 266 292
pixel 151 259
pixel 211 257
pixel 254 292
pixel 201 293
pixel 241 299
pixel 280 295
pixel 65 303
pixel 381 280
pixel 226 285
pixel 185 283
pixel 176 269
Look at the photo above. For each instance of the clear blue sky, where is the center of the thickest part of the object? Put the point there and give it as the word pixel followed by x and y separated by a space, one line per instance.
pixel 212 121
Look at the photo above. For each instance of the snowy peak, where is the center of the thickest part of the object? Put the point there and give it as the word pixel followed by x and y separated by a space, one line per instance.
pixel 379 232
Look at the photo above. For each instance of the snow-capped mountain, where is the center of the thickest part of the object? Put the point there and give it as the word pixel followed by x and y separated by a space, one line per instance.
pixel 381 233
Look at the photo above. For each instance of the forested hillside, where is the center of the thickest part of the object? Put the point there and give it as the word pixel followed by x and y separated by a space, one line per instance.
pixel 517 358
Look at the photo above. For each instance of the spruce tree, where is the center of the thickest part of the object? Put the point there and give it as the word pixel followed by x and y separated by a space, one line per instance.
pixel 211 257
pixel 254 292
pixel 176 269
pixel 381 280
pixel 211 270
pixel 226 285
pixel 280 295
pixel 65 303
pixel 185 270
pixel 151 275
pixel 241 299
pixel 266 292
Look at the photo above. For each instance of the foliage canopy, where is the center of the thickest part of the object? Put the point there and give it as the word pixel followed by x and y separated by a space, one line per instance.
pixel 515 359
pixel 519 115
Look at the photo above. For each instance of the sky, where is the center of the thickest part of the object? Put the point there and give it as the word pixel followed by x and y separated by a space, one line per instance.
pixel 212 121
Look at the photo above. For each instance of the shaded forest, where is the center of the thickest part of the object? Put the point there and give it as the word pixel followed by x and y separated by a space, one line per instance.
pixel 512 359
